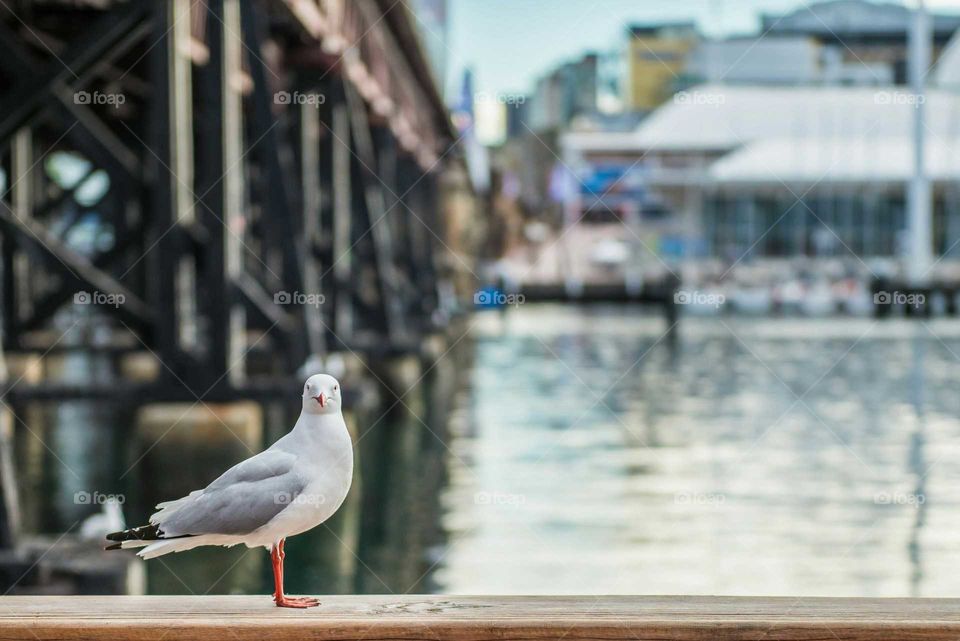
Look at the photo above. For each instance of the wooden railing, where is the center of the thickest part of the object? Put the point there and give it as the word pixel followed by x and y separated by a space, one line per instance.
pixel 441 618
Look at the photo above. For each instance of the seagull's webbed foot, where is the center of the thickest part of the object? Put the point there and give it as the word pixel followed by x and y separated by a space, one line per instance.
pixel 296 602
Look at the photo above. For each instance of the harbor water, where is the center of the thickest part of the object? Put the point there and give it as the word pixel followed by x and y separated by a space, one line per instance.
pixel 563 449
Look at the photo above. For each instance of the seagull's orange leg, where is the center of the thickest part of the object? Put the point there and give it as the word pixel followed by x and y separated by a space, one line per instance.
pixel 277 572
pixel 276 558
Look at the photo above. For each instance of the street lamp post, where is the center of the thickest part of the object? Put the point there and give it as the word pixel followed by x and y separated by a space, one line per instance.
pixel 919 200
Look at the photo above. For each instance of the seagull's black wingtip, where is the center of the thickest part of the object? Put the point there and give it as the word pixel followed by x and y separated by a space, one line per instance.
pixel 150 532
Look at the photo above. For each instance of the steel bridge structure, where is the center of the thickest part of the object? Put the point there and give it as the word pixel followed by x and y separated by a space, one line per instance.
pixel 236 185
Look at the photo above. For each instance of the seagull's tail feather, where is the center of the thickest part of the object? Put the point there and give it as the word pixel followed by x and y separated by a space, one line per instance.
pixel 126 545
pixel 168 509
pixel 143 533
pixel 179 544
pixel 139 537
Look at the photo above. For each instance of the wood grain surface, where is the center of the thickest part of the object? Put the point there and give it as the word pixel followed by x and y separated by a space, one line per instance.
pixel 479 618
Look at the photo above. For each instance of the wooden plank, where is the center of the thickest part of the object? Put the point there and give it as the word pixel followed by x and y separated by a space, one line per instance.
pixel 476 618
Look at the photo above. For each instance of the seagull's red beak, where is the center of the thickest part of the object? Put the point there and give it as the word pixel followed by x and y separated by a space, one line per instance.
pixel 321 399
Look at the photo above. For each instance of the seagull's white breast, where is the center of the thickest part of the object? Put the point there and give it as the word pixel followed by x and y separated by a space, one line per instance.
pixel 325 459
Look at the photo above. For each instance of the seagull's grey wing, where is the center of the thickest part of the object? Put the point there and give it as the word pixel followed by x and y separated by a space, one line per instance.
pixel 265 465
pixel 242 499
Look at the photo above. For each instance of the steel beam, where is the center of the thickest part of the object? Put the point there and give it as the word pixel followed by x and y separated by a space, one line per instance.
pixel 376 210
pixel 220 180
pixel 116 30
pixel 163 260
pixel 280 213
pixel 73 267
pixel 342 265
pixel 310 185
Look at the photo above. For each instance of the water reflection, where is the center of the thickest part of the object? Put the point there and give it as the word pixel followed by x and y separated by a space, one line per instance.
pixel 578 450
pixel 760 457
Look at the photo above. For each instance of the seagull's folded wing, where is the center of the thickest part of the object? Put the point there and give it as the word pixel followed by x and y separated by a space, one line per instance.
pixel 244 498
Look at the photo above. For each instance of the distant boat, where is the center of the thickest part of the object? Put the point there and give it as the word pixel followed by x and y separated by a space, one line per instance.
pixel 610 253
pixel 789 296
pixel 708 302
pixel 819 300
pixel 856 299
pixel 752 300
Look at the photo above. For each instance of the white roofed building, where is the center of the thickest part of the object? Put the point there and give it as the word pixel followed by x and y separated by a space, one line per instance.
pixel 766 60
pixel 725 170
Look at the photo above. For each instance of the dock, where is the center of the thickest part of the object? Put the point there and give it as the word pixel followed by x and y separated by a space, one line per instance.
pixel 257 191
pixel 275 183
pixel 476 618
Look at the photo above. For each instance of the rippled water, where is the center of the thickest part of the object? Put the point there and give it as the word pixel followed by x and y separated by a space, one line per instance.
pixel 593 454
pixel 580 450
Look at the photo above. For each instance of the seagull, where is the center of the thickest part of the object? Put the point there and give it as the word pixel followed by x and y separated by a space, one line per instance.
pixel 291 487
pixel 109 518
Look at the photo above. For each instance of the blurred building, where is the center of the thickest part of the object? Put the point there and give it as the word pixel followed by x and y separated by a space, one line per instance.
pixel 848 42
pixel 431 23
pixel 611 74
pixel 544 112
pixel 865 42
pixel 774 171
pixel 566 92
pixel 518 114
pixel 465 122
pixel 758 60
pixel 657 55
pixel 946 73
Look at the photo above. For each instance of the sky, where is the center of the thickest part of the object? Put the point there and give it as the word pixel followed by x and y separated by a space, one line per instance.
pixel 509 43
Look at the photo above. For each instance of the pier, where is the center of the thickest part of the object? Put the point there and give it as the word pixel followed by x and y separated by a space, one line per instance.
pixel 273 181
pixel 203 203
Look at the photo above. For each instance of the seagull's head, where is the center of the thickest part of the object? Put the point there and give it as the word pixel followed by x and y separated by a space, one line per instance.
pixel 321 395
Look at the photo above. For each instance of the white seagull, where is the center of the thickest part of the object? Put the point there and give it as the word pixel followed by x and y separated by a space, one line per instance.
pixel 295 485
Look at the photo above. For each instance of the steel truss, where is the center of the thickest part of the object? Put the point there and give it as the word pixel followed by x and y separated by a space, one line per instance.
pixel 227 203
